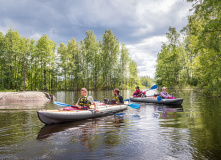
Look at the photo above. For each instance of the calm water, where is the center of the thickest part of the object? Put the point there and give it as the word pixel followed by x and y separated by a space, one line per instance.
pixel 190 131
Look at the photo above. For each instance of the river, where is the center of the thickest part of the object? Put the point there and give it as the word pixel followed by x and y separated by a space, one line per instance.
pixel 189 131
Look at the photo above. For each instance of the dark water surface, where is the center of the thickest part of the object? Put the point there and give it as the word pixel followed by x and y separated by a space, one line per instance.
pixel 189 131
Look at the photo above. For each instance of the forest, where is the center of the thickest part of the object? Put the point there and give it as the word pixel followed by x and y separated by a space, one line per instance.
pixel 26 64
pixel 191 58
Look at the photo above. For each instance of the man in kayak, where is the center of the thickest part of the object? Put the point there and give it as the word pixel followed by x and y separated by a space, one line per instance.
pixel 117 97
pixel 83 102
pixel 138 92
pixel 164 94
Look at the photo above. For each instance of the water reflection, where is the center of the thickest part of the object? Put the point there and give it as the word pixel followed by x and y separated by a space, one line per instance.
pixel 119 118
pixel 166 111
pixel 50 130
pixel 190 131
pixel 24 105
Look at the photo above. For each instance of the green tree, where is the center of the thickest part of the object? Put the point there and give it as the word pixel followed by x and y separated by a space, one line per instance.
pixel 110 52
pixel 91 58
pixel 2 59
pixel 133 77
pixel 29 65
pixel 45 49
pixel 10 55
pixel 123 66
pixel 146 81
pixel 169 62
pixel 64 61
pixel 204 27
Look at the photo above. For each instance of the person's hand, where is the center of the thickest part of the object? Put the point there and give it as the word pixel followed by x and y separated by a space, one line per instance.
pixel 79 107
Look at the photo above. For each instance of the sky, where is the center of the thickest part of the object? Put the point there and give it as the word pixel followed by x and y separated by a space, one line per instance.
pixel 140 24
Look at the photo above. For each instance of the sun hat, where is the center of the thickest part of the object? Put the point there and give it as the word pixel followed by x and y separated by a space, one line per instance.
pixel 164 88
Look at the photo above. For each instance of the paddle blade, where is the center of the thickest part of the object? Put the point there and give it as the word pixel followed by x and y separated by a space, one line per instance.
pixel 159 98
pixel 61 104
pixel 134 106
pixel 153 87
pixel 127 100
pixel 119 115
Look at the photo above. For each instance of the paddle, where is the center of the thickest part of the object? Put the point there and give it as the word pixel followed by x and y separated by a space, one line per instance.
pixel 134 105
pixel 153 87
pixel 159 98
pixel 66 105
pixel 62 104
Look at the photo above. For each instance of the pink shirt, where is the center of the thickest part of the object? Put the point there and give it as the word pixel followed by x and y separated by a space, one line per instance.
pixel 137 93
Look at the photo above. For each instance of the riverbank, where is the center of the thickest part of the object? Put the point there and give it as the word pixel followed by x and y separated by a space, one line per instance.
pixel 25 96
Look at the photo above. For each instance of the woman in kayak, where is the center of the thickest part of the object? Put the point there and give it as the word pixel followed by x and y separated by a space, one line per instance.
pixel 138 92
pixel 164 93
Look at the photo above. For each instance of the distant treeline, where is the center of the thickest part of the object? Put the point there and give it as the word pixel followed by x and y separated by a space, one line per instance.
pixel 26 64
pixel 193 57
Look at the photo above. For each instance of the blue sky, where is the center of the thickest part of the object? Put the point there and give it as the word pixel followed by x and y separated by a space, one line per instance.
pixel 140 24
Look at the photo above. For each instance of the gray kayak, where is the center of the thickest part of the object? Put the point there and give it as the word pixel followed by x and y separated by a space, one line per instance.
pixel 154 100
pixel 59 116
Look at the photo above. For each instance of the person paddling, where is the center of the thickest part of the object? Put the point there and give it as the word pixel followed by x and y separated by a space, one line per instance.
pixel 164 94
pixel 138 92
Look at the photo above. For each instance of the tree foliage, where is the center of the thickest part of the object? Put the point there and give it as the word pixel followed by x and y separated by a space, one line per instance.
pixel 199 54
pixel 41 65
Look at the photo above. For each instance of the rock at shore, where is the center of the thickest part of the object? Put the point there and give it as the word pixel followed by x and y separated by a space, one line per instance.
pixel 25 96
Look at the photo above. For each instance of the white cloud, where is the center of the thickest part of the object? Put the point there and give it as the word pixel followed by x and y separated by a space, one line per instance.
pixel 4 30
pixel 35 36
pixel 145 54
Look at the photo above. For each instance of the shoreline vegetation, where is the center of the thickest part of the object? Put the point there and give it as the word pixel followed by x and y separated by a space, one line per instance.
pixel 191 57
pixel 26 64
